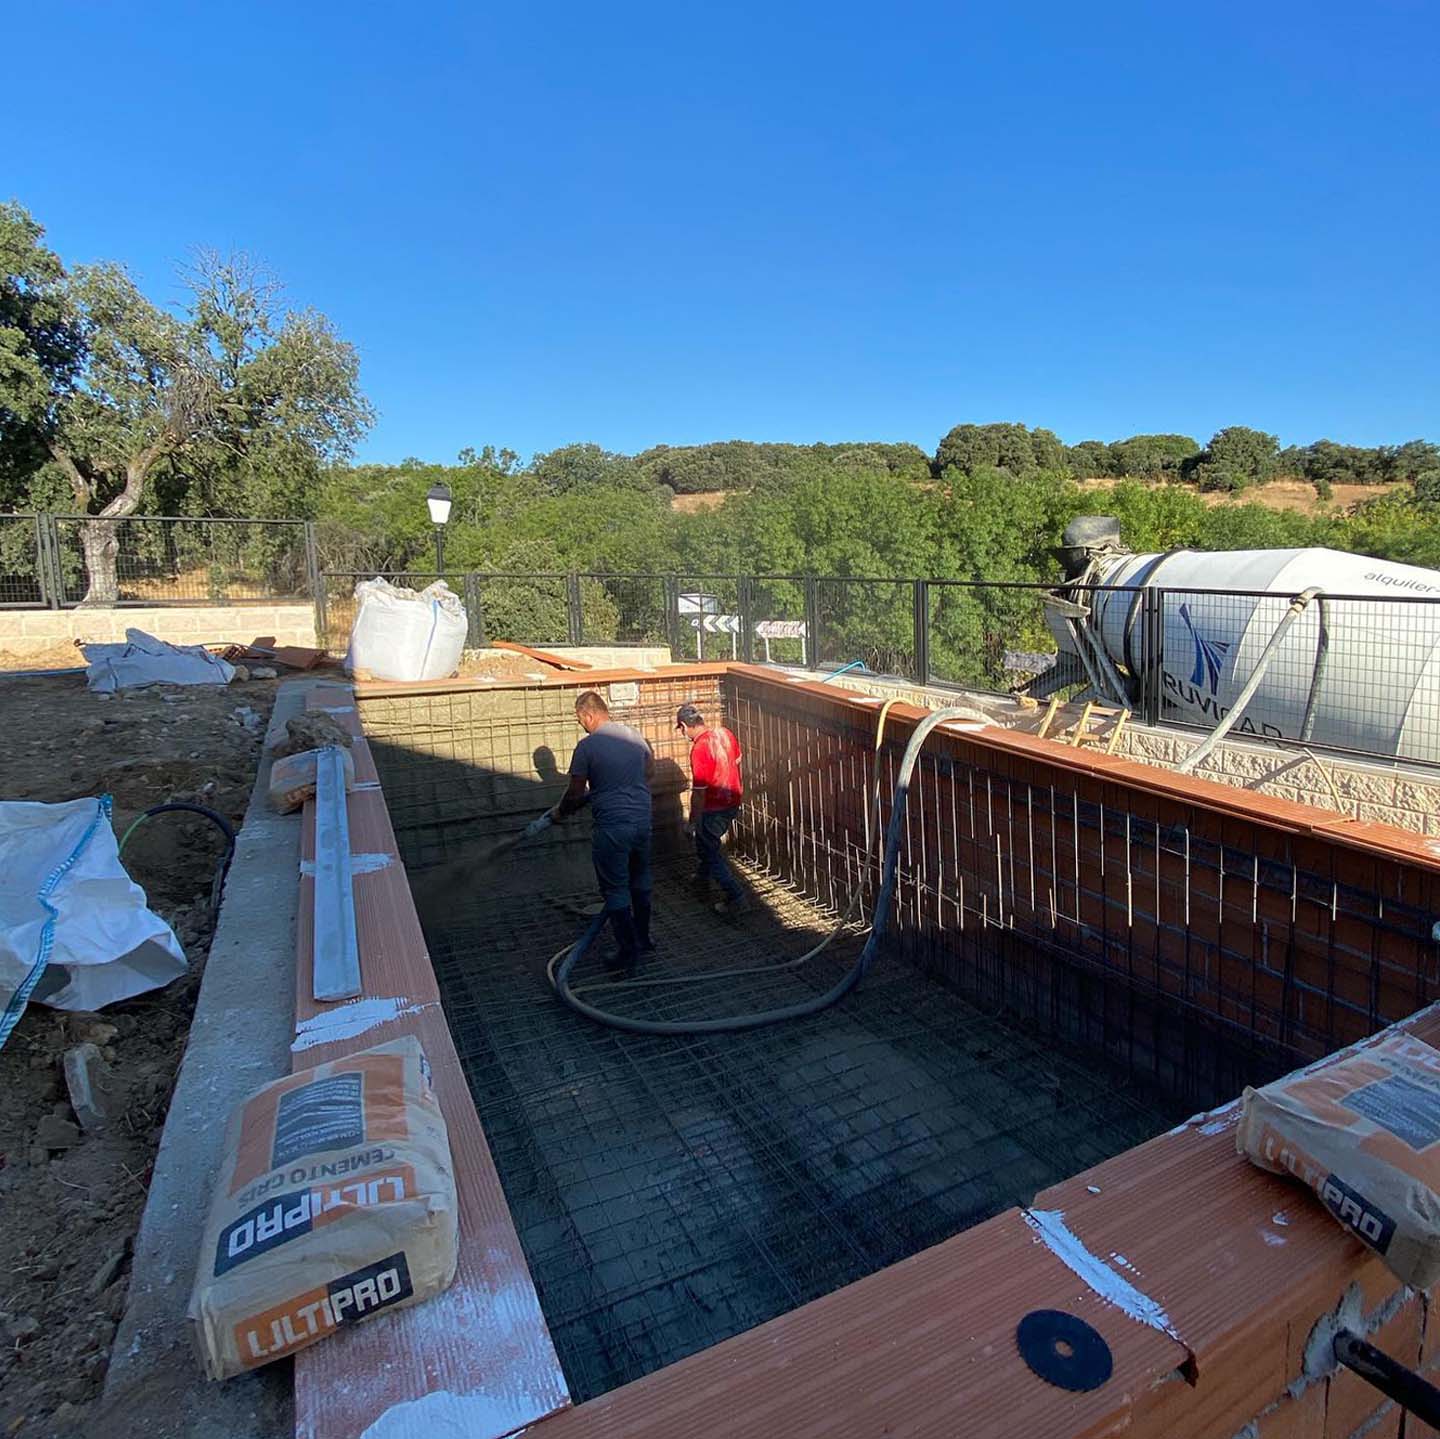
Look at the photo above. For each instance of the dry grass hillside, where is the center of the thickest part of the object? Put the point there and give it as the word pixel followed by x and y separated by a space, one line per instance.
pixel 1295 495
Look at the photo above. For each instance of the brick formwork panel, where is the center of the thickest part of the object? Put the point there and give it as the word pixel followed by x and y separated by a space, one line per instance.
pixel 504 754
pixel 1199 948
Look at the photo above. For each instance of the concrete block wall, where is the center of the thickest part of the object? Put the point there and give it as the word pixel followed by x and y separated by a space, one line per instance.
pixel 1388 794
pixel 470 764
pixel 38 631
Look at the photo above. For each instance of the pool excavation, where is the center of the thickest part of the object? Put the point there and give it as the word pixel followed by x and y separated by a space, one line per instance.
pixel 1074 955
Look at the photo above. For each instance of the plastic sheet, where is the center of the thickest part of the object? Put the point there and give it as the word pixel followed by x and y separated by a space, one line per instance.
pixel 144 660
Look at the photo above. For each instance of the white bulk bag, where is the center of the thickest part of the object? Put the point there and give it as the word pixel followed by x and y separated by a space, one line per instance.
pixel 401 635
pixel 67 903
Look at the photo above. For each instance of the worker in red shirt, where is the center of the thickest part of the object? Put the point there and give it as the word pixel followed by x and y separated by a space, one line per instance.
pixel 715 793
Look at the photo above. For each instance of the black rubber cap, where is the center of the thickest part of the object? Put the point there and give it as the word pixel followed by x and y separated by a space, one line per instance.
pixel 1063 1350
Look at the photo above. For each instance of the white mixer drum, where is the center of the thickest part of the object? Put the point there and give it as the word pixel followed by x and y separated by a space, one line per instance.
pixel 1378 685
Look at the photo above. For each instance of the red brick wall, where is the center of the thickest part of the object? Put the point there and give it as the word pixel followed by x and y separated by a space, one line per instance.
pixel 1200 949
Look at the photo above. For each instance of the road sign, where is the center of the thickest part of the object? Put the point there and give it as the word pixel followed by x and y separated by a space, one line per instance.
pixel 716 624
pixel 780 630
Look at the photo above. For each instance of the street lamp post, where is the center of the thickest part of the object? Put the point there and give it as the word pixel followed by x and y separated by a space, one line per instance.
pixel 438 499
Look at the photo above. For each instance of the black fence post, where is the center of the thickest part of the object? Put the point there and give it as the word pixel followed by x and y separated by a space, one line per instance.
pixel 48 573
pixel 746 596
pixel 672 616
pixel 921 655
pixel 1153 644
pixel 575 612
pixel 322 616
pixel 312 563
pixel 474 611
pixel 812 622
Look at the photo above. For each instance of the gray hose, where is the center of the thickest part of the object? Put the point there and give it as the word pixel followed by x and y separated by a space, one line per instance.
pixel 1297 607
pixel 880 920
pixel 1317 675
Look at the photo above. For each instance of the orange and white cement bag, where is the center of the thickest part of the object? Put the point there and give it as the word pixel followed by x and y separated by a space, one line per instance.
pixel 1363 1131
pixel 335 1201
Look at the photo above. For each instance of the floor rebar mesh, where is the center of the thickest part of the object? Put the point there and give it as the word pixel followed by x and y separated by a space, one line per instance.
pixel 671 1192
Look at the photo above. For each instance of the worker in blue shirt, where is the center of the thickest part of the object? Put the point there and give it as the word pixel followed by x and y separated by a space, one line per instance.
pixel 612 767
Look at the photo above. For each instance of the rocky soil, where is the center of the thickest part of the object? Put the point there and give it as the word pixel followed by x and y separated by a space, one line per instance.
pixel 71 1197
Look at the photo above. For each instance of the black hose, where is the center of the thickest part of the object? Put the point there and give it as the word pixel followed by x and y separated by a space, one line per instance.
pixel 880 919
pixel 218 820
pixel 1393 1380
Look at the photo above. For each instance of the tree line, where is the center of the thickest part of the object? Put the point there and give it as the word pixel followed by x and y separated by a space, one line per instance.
pixel 234 403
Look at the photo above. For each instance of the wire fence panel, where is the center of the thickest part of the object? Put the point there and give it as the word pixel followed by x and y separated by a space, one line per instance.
pixel 778 620
pixel 21 566
pixel 532 609
pixel 624 609
pixel 160 560
pixel 710 620
pixel 1358 673
pixel 872 621
pixel 988 637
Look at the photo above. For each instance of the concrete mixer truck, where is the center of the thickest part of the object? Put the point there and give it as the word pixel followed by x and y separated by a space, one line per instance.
pixel 1315 645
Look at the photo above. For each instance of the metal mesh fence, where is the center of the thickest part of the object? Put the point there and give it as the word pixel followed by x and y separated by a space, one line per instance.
pixel 1359 673
pixel 989 637
pixel 624 609
pixel 709 619
pixel 161 560
pixel 534 609
pixel 777 612
pixel 872 621
pixel 20 562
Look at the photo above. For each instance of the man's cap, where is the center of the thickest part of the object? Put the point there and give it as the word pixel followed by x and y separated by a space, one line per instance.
pixel 688 715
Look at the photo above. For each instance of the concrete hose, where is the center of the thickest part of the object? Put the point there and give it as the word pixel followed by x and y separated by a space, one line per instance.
pixel 564 963
pixel 1297 607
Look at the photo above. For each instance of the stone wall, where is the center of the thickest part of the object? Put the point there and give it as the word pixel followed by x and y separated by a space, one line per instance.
pixel 37 632
pixel 1390 794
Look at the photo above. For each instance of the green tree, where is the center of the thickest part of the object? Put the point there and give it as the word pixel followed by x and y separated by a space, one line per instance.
pixel 1152 456
pixel 40 347
pixel 1090 459
pixel 230 381
pixel 1235 458
pixel 583 467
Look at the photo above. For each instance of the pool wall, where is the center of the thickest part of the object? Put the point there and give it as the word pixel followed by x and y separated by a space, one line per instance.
pixel 1238 923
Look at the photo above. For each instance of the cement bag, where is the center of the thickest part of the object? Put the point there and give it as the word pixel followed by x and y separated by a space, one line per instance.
pixel 144 660
pixel 1363 1131
pixel 67 903
pixel 401 635
pixel 292 778
pixel 335 1200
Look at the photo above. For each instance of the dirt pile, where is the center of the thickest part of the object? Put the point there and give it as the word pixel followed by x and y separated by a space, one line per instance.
pixel 71 1197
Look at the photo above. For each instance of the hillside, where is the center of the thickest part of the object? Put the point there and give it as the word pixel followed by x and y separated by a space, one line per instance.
pixel 1287 496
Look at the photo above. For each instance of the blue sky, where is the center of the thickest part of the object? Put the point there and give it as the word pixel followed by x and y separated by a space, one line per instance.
pixel 637 224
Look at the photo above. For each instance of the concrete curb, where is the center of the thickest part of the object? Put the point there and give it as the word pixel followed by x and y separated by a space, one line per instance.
pixel 239 1039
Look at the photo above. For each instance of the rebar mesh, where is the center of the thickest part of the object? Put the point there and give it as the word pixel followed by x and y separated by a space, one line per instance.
pixel 672 1192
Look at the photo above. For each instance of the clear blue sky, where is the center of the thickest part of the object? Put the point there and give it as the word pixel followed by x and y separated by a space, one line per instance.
pixel 636 224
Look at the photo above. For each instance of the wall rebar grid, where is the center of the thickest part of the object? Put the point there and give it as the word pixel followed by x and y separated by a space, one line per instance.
pixel 672 1192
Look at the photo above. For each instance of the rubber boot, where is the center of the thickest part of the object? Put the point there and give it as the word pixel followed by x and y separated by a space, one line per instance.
pixel 628 950
pixel 640 909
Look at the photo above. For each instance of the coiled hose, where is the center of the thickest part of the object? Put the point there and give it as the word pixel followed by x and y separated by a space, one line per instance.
pixel 562 965
pixel 218 820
